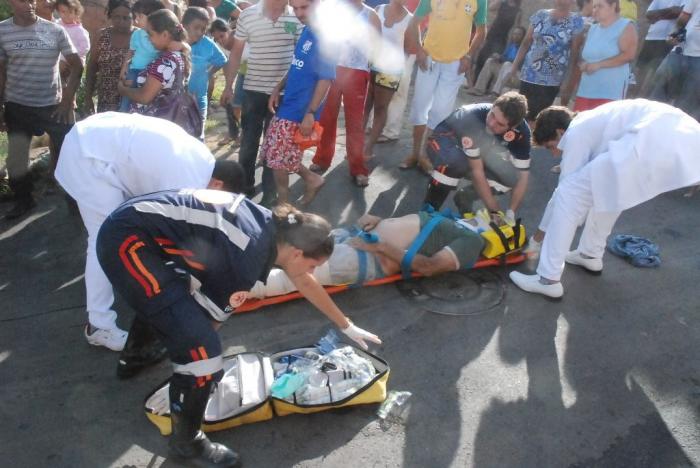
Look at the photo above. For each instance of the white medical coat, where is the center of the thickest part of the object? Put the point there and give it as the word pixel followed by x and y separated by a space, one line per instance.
pixel 112 156
pixel 637 150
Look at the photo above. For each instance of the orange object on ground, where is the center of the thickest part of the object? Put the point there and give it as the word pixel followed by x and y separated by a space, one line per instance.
pixel 253 304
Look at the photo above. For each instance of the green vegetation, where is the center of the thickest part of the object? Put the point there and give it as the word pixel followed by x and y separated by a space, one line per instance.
pixel 5 11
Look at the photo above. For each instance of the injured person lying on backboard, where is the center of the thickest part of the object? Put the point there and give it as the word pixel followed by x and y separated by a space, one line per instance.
pixel 426 243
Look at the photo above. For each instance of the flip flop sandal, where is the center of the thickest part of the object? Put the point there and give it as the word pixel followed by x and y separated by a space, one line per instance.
pixel 408 163
pixel 361 180
pixel 317 169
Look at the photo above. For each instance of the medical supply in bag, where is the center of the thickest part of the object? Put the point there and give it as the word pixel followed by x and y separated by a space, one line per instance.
pixel 256 386
pixel 328 343
pixel 312 379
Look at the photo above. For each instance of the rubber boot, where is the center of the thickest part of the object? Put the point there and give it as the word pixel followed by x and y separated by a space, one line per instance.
pixel 142 349
pixel 188 444
pixel 24 202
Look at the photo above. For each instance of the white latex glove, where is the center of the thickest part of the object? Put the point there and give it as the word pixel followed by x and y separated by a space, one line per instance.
pixel 510 217
pixel 160 403
pixel 359 335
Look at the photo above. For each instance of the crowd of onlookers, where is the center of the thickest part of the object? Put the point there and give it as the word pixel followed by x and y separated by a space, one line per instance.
pixel 161 57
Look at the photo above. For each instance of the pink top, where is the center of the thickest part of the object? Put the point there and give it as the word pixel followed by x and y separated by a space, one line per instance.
pixel 78 36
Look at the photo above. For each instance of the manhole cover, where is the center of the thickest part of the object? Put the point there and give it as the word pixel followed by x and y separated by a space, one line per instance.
pixel 459 293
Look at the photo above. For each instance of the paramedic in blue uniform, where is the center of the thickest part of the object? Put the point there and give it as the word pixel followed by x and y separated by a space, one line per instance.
pixel 223 243
pixel 488 142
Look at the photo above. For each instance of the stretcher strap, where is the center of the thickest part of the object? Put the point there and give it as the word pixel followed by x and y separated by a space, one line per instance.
pixel 361 268
pixel 369 238
pixel 516 234
pixel 501 237
pixel 418 243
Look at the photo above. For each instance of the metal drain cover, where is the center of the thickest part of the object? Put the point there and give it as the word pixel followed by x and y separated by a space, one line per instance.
pixel 470 292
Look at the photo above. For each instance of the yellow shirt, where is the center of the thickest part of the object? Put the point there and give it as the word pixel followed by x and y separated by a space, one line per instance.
pixel 628 9
pixel 450 28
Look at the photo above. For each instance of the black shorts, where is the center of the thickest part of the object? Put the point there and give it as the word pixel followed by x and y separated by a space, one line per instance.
pixel 34 121
pixel 538 97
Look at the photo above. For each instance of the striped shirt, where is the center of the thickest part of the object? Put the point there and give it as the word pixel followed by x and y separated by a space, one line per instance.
pixel 31 56
pixel 271 46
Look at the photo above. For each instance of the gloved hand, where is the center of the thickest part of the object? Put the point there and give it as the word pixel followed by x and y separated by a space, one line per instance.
pixel 510 217
pixel 359 335
pixel 160 403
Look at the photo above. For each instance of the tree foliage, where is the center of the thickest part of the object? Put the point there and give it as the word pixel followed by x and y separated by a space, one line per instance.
pixel 5 11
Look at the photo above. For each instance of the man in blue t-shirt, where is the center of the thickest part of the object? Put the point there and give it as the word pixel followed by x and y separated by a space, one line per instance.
pixel 305 86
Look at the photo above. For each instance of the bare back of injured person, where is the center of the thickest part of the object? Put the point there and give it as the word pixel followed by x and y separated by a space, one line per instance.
pixel 449 247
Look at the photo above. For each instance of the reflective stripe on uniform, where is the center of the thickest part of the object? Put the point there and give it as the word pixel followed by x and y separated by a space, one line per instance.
pixel 214 311
pixel 498 187
pixel 209 219
pixel 520 163
pixel 200 368
pixel 473 152
pixel 443 179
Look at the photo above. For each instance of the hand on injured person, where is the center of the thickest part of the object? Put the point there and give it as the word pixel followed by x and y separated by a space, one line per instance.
pixel 358 335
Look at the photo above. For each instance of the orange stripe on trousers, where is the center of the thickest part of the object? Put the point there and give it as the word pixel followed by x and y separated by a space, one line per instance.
pixel 122 255
pixel 142 269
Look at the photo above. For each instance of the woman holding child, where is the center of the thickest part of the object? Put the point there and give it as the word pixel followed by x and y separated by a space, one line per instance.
pixel 162 90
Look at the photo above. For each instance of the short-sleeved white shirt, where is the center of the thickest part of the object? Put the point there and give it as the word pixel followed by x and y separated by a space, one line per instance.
pixel 692 38
pixel 662 28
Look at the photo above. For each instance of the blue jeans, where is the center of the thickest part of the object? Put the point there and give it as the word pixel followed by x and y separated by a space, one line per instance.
pixel 131 75
pixel 668 78
pixel 688 100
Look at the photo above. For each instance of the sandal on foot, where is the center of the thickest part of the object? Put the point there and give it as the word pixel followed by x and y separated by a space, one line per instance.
pixel 408 163
pixel 310 194
pixel 361 180
pixel 317 169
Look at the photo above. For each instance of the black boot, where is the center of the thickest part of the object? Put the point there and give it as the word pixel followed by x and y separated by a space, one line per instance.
pixel 24 202
pixel 188 443
pixel 142 349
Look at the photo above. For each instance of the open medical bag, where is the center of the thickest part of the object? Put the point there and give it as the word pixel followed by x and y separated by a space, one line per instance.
pixel 244 394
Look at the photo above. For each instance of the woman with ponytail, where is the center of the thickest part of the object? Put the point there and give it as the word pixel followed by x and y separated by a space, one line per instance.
pixel 162 90
pixel 185 260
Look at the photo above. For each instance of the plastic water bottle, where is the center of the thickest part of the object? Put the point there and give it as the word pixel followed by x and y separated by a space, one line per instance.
pixel 328 343
pixel 392 404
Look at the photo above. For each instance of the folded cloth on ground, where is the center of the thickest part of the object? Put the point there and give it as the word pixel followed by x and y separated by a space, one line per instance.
pixel 639 251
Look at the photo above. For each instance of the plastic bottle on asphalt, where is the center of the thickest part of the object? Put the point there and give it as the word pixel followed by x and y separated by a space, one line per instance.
pixel 392 405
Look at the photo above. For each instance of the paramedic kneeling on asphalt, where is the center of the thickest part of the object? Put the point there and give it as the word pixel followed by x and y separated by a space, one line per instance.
pixel 491 142
pixel 614 157
pixel 226 243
